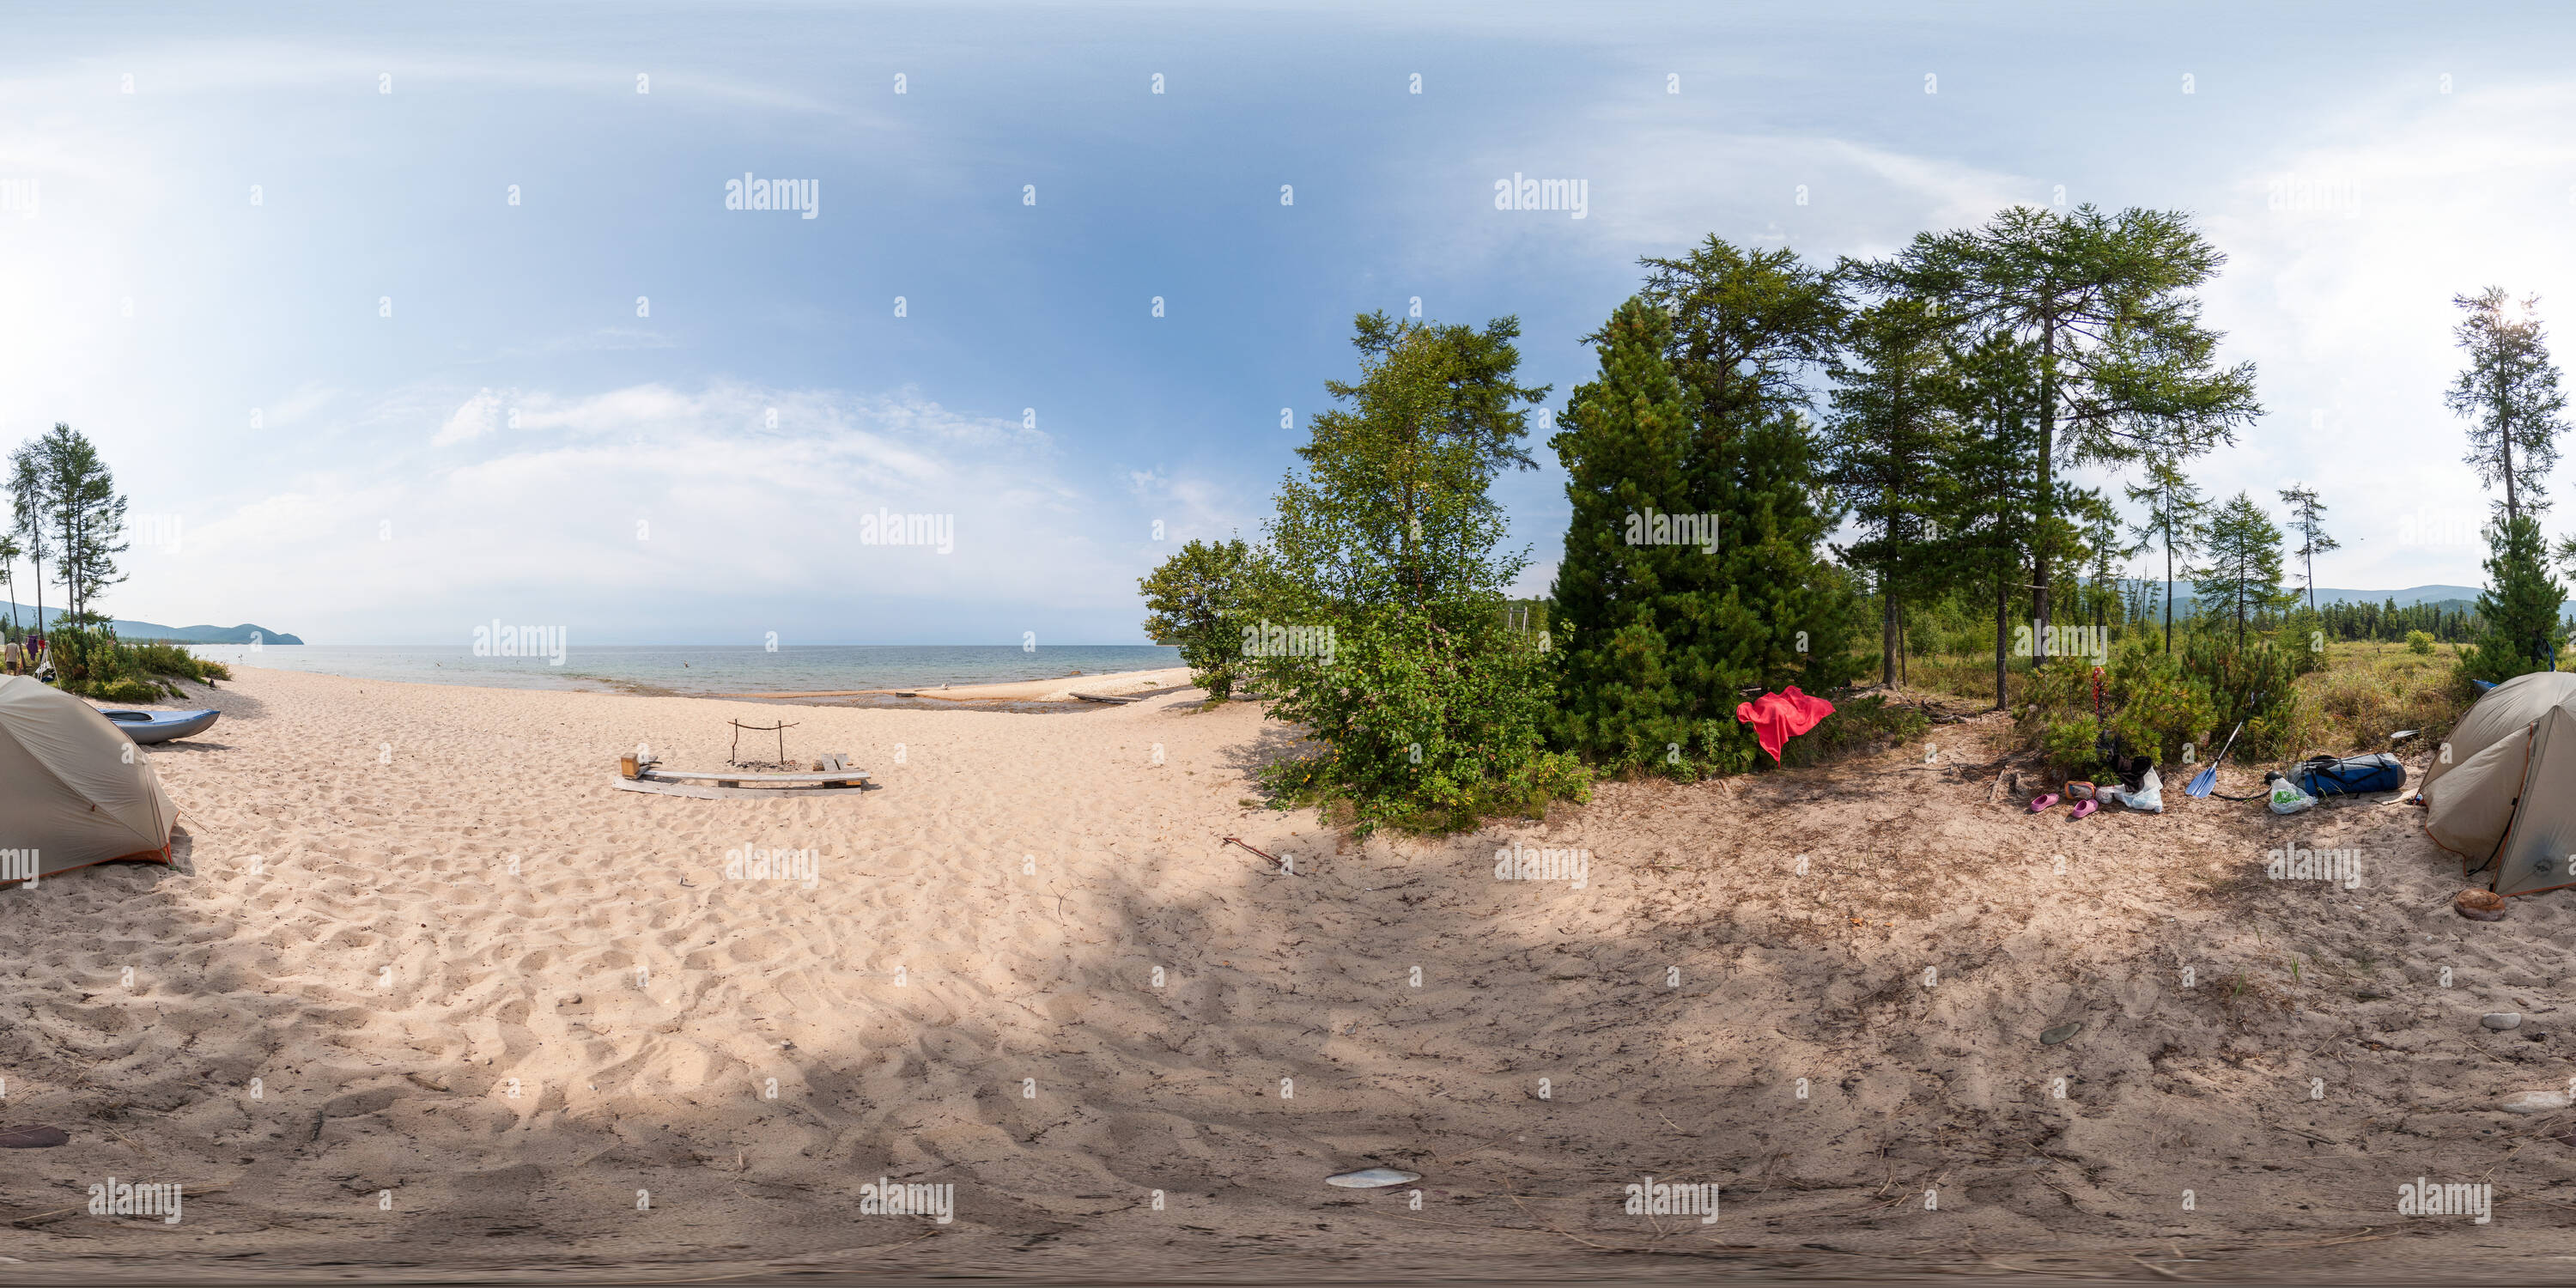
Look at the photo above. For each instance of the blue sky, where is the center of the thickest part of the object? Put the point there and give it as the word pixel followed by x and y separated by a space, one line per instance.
pixel 515 441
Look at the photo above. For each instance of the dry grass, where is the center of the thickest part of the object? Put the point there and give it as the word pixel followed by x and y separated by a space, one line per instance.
pixel 2367 691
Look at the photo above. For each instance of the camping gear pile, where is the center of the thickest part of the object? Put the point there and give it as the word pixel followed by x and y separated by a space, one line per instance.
pixel 73 790
pixel 2503 797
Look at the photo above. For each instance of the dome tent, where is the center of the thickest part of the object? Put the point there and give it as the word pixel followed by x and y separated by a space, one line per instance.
pixel 74 790
pixel 2502 792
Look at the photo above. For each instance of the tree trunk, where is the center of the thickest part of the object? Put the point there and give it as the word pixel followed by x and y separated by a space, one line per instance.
pixel 1887 631
pixel 2169 576
pixel 2504 446
pixel 2047 497
pixel 2003 597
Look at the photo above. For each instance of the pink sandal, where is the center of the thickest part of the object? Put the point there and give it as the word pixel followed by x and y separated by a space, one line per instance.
pixel 2042 804
pixel 2083 808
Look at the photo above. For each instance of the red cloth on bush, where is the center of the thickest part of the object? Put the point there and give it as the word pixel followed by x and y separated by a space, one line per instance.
pixel 1778 717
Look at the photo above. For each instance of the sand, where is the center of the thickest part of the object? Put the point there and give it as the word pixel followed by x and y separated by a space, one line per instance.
pixel 1067 688
pixel 506 1021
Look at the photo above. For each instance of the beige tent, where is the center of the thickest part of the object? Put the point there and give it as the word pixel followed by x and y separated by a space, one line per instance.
pixel 74 790
pixel 2502 792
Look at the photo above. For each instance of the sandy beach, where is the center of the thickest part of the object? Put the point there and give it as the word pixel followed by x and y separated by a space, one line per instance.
pixel 1068 688
pixel 423 989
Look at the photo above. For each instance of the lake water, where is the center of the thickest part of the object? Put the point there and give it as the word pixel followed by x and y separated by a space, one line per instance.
pixel 705 669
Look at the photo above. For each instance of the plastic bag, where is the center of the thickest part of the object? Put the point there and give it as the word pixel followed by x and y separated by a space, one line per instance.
pixel 2148 799
pixel 2287 797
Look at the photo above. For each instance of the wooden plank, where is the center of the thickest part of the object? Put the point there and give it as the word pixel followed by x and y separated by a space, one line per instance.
pixel 738 776
pixel 719 793
pixel 1101 697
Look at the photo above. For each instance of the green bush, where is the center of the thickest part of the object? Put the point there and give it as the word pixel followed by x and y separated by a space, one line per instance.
pixel 160 657
pixel 126 688
pixel 93 662
pixel 2055 715
pixel 2253 682
pixel 2419 642
pixel 2160 707
pixel 1425 738
pixel 2069 743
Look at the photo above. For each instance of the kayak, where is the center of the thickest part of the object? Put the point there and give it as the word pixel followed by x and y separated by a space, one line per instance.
pixel 161 726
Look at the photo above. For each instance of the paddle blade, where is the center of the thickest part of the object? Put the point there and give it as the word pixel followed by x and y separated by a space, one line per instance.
pixel 2202 782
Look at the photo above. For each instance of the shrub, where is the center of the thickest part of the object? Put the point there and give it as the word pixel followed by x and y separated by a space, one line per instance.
pixel 92 661
pixel 1423 738
pixel 160 657
pixel 1196 599
pixel 2160 707
pixel 2419 643
pixel 2253 682
pixel 126 688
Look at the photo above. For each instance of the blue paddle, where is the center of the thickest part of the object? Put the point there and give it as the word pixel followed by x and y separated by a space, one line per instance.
pixel 2206 780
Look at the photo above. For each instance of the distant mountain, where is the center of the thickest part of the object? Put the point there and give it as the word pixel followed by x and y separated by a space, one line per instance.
pixel 2411 595
pixel 26 616
pixel 2448 598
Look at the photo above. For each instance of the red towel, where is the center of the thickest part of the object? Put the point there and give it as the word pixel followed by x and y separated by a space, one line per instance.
pixel 1778 717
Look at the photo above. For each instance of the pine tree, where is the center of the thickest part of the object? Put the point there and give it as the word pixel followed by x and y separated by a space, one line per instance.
pixel 2519 606
pixel 1767 610
pixel 2122 365
pixel 69 507
pixel 2175 511
pixel 27 516
pixel 1620 592
pixel 1988 505
pixel 1884 450
pixel 2243 575
pixel 2307 519
pixel 2510 388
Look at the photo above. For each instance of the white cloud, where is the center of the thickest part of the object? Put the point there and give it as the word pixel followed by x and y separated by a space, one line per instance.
pixel 621 510
pixel 2346 244
pixel 480 415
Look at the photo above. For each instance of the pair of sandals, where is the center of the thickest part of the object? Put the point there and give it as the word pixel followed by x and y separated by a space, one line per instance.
pixel 2048 801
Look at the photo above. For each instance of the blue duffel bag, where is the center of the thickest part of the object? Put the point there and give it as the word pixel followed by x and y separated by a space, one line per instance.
pixel 2351 775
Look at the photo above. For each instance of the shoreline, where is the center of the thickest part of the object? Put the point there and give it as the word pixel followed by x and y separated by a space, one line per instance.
pixel 1061 693
pixel 1065 688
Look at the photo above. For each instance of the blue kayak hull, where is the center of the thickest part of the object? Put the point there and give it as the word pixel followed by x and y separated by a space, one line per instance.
pixel 161 726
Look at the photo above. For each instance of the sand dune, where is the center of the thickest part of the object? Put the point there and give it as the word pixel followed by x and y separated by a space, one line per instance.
pixel 488 999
